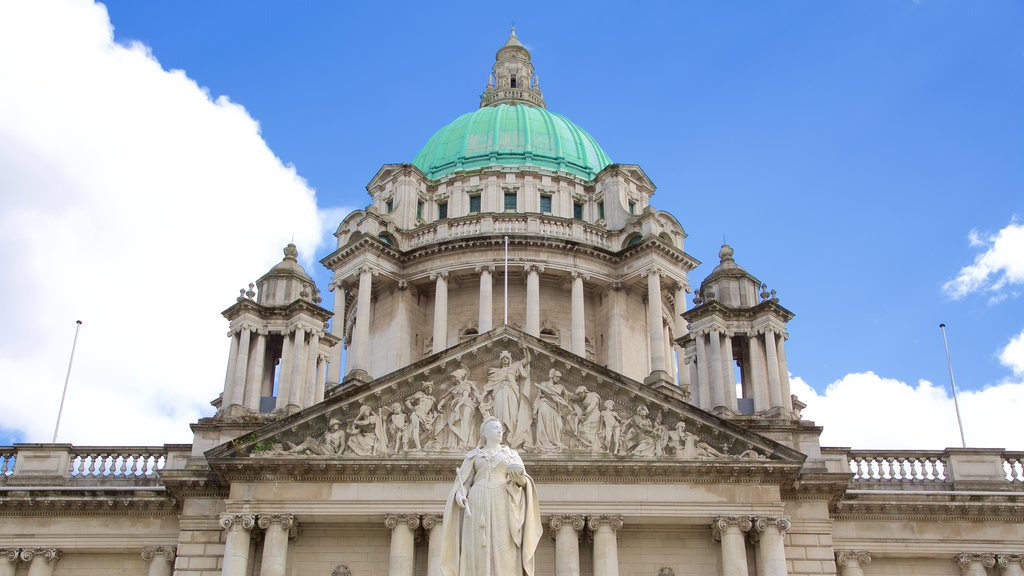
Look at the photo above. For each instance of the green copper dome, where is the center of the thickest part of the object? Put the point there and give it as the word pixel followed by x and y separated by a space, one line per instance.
pixel 511 135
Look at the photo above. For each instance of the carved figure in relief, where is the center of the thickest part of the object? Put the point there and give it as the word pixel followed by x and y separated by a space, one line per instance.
pixel 550 411
pixel 331 443
pixel 611 427
pixel 367 435
pixel 677 440
pixel 660 434
pixel 588 418
pixel 508 390
pixel 398 427
pixel 458 427
pixel 421 414
pixel 492 516
pixel 639 435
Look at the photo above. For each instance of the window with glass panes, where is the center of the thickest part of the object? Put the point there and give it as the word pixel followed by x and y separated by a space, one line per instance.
pixel 577 211
pixel 545 203
pixel 510 201
pixel 442 210
pixel 474 204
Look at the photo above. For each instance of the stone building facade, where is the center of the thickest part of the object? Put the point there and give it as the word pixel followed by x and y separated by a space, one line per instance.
pixel 510 270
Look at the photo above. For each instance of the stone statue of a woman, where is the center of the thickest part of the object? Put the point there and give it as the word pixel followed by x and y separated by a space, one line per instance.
pixel 492 517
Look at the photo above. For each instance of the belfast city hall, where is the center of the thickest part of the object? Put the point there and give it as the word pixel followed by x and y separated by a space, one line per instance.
pixel 520 374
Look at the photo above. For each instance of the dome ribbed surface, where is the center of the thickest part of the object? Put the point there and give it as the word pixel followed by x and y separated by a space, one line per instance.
pixel 511 135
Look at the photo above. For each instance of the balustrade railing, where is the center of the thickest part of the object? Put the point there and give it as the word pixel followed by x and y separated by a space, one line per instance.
pixel 516 223
pixel 902 466
pixel 7 459
pixel 1013 463
pixel 116 462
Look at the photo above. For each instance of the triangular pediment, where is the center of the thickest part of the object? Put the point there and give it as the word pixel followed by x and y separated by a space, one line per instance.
pixel 558 408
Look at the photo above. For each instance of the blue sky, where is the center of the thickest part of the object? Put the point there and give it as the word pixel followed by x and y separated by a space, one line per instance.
pixel 845 149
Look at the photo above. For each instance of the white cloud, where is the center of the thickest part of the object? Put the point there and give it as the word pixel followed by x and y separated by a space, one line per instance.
pixel 1012 355
pixel 867 411
pixel 133 201
pixel 994 270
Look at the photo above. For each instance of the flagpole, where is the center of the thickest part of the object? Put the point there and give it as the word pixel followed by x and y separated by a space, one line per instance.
pixel 952 383
pixel 60 412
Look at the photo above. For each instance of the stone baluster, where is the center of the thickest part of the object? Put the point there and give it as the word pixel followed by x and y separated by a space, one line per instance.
pixel 258 363
pixel 241 368
pixel 787 399
pixel 654 332
pixel 277 529
pixel 578 319
pixel 703 374
pixel 229 376
pixel 567 529
pixel 728 372
pixel 9 561
pixel 774 384
pixel 974 564
pixel 771 551
pixel 361 332
pixel 236 543
pixel 160 560
pixel 852 562
pixel 606 546
pixel 41 561
pixel 432 526
pixel 1010 564
pixel 486 319
pixel 402 557
pixel 729 531
pixel 338 329
pixel 715 368
pixel 312 357
pixel 298 372
pixel 533 299
pixel 440 311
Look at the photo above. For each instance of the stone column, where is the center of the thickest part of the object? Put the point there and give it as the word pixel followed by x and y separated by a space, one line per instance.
pixel 41 560
pixel 729 531
pixel 432 526
pixel 703 375
pixel 258 363
pixel 533 300
pixel 1010 564
pixel 578 331
pixel 615 310
pixel 715 367
pixel 970 564
pixel 756 374
pixel 361 332
pixel 241 368
pixel 566 529
pixel 160 560
pixel 285 372
pixel 312 356
pixel 321 379
pixel 298 372
pixel 402 558
pixel 787 399
pixel 229 376
pixel 654 332
pixel 728 372
pixel 440 311
pixel 771 551
pixel 9 561
pixel 236 545
pixel 338 329
pixel 486 320
pixel 774 385
pixel 852 562
pixel 606 546
pixel 679 299
pixel 277 529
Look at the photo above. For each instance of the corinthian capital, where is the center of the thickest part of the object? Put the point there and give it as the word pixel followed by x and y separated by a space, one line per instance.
pixel 655 270
pixel 781 523
pixel 849 557
pixel 230 521
pixel 368 268
pixel 49 554
pixel 574 520
pixel 166 552
pixel 610 520
pixel 410 520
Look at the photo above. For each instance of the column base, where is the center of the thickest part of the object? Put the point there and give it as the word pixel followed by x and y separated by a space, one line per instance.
pixel 660 379
pixel 355 377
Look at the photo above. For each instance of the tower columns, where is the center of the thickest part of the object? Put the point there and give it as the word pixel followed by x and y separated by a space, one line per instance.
pixel 715 367
pixel 440 311
pixel 578 321
pixel 774 384
pixel 679 301
pixel 298 368
pixel 787 399
pixel 360 348
pixel 756 373
pixel 310 384
pixel 533 299
pixel 237 396
pixel 486 321
pixel 338 329
pixel 728 372
pixel 654 332
pixel 703 375
pixel 615 312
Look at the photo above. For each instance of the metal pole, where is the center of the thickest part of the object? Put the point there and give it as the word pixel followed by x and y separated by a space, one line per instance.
pixel 952 382
pixel 506 280
pixel 60 412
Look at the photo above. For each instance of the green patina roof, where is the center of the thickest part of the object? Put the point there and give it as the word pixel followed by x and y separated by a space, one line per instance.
pixel 511 135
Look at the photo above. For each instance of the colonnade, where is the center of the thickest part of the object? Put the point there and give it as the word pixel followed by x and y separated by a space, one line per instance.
pixel 972 564
pixel 762 358
pixel 277 530
pixel 659 344
pixel 43 561
pixel 303 374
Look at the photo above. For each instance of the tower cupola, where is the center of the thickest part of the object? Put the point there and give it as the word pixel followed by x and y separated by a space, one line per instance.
pixel 512 80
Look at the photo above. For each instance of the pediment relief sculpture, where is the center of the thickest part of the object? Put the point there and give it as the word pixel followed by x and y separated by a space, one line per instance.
pixel 543 412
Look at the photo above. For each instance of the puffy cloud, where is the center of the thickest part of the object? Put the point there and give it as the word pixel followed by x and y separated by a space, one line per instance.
pixel 136 202
pixel 1012 355
pixel 867 411
pixel 994 270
